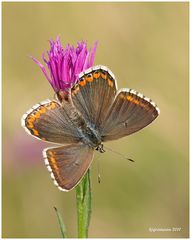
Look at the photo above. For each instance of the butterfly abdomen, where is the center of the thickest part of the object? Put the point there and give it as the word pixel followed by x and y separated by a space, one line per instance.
pixel 89 135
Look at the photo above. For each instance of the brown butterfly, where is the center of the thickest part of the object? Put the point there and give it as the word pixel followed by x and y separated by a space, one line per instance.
pixel 92 113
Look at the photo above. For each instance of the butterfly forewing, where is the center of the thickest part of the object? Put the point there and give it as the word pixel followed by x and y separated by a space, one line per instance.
pixel 94 94
pixel 129 113
pixel 51 122
pixel 68 164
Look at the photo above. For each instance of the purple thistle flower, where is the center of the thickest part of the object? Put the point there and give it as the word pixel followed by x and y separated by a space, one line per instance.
pixel 65 64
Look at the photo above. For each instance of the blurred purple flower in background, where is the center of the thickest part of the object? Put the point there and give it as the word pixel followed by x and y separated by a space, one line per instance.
pixel 22 150
pixel 65 64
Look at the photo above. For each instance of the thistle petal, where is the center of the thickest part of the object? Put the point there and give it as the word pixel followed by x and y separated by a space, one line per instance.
pixel 64 65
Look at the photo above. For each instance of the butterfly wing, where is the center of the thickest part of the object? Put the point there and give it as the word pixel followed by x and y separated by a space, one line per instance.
pixel 51 122
pixel 68 164
pixel 94 93
pixel 129 113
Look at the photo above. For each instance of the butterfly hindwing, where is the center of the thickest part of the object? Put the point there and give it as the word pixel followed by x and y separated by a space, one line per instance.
pixel 129 113
pixel 68 164
pixel 94 94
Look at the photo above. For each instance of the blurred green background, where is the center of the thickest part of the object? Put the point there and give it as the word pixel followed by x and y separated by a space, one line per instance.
pixel 146 47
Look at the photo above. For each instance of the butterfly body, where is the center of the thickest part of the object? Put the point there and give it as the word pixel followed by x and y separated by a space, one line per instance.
pixel 91 137
pixel 85 130
pixel 91 113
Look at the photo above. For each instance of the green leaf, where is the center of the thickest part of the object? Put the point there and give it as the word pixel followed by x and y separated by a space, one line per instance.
pixel 61 223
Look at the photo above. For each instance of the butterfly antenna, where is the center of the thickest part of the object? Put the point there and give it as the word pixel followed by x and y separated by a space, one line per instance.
pixel 119 154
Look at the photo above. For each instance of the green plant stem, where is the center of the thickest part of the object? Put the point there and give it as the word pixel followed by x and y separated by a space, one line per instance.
pixel 83 199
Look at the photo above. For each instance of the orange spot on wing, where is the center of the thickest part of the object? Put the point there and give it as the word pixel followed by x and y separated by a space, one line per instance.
pixel 136 101
pixel 53 105
pixel 30 125
pixel 110 83
pixel 53 163
pixel 130 98
pixel 49 106
pixel 82 82
pixel 42 109
pixel 30 119
pixel 29 122
pixel 36 114
pixel 54 166
pixel 89 78
pixel 104 75
pixel 35 132
pixel 96 75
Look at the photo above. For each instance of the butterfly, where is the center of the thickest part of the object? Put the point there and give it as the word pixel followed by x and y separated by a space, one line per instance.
pixel 93 112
